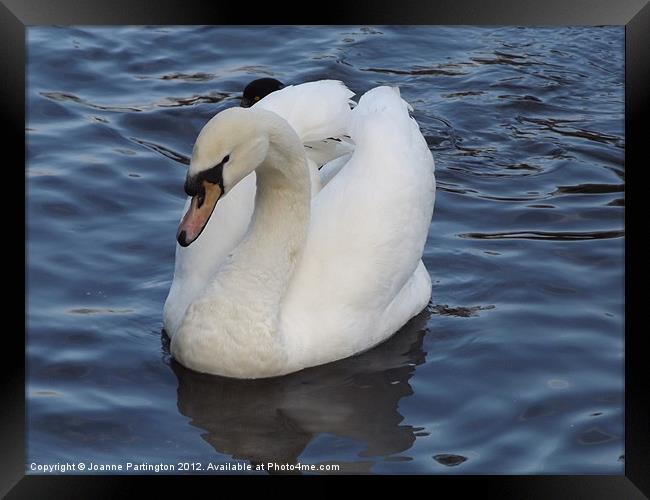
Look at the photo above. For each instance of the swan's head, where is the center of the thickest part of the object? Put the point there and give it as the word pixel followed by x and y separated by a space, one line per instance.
pixel 258 89
pixel 230 146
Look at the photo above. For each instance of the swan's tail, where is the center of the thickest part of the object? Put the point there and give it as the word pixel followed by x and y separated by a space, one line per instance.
pixel 382 118
pixel 384 101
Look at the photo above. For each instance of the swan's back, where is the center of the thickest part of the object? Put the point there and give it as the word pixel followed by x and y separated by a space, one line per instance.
pixel 367 233
pixel 315 110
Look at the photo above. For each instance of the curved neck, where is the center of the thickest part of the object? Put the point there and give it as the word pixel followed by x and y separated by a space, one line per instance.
pixel 278 229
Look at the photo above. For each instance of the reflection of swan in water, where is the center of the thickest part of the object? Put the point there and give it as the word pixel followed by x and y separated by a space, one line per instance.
pixel 273 420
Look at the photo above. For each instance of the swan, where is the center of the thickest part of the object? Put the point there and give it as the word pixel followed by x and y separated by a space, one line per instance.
pixel 313 279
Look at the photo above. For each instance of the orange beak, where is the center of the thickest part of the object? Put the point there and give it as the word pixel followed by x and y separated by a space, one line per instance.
pixel 198 214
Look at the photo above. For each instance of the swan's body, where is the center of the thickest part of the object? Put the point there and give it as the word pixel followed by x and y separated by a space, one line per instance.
pixel 312 280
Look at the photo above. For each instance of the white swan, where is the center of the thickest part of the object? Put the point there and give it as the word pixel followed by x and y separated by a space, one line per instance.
pixel 312 280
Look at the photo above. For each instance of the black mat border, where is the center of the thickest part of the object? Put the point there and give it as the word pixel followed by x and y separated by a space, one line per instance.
pixel 15 15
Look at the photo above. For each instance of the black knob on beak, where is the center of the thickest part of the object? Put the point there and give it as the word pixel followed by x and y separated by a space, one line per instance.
pixel 182 239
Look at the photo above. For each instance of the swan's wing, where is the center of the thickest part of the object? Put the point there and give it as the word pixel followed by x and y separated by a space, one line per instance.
pixel 368 229
pixel 326 150
pixel 383 197
pixel 331 168
pixel 316 110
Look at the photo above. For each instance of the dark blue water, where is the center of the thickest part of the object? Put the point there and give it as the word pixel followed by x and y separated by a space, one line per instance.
pixel 515 367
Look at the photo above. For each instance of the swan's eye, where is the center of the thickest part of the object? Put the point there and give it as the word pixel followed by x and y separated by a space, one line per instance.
pixel 226 158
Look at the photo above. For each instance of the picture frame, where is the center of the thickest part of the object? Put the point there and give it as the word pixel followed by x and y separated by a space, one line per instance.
pixel 16 15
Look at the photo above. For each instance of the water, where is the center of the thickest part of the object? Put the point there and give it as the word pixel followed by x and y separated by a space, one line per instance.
pixel 515 367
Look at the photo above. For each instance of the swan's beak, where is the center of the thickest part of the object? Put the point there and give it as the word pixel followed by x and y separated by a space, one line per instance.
pixel 198 214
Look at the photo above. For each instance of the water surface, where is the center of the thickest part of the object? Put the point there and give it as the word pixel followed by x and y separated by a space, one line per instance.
pixel 515 367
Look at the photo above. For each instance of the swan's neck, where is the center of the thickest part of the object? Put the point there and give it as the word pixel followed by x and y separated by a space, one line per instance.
pixel 278 230
pixel 235 326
